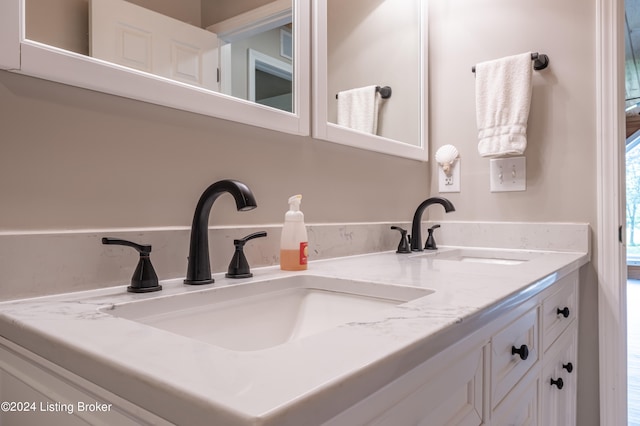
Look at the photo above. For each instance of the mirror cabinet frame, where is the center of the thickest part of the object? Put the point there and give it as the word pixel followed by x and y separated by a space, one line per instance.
pixel 39 60
pixel 35 59
pixel 326 130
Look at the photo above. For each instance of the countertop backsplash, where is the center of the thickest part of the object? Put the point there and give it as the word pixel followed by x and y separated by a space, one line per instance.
pixel 50 262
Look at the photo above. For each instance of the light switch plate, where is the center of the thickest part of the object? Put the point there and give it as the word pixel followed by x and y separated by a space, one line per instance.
pixel 508 174
pixel 449 183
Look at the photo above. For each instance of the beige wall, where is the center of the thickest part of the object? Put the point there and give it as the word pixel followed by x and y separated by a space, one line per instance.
pixel 561 129
pixel 60 23
pixel 561 152
pixel 214 11
pixel 76 159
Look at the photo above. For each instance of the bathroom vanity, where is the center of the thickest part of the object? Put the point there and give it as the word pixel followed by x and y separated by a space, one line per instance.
pixel 458 336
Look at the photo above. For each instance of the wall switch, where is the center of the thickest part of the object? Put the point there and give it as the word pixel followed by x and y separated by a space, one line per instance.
pixel 508 174
pixel 449 183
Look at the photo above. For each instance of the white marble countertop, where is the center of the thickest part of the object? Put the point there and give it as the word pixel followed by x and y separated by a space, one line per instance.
pixel 191 382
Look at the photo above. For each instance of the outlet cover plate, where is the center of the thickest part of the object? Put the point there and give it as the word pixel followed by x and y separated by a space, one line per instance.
pixel 508 174
pixel 449 183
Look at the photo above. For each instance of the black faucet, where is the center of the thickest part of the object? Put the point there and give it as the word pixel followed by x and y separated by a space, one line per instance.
pixel 416 235
pixel 199 265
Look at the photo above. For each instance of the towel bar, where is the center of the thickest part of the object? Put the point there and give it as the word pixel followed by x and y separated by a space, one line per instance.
pixel 540 61
pixel 385 92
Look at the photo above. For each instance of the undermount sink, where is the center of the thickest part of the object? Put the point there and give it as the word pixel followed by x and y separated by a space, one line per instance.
pixel 487 256
pixel 263 314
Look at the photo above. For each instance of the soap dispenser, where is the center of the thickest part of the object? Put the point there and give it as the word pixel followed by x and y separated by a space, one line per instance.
pixel 294 243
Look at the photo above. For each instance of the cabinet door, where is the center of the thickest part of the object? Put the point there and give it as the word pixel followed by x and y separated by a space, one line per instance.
pixel 520 406
pixel 559 381
pixel 437 393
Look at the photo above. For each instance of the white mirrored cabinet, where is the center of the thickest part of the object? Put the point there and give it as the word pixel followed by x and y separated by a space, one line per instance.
pixel 369 75
pixel 245 61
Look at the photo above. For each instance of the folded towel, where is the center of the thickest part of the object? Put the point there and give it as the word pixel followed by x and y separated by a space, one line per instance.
pixel 503 97
pixel 358 109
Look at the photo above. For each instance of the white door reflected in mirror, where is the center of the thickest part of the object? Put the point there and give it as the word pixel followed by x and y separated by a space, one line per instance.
pixel 171 41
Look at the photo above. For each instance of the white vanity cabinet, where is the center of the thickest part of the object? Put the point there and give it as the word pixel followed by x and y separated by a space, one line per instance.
pixel 519 368
pixel 506 373
pixel 35 392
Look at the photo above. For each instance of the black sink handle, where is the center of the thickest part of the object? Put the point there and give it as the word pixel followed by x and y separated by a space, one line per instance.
pixel 258 234
pixel 144 279
pixel 142 249
pixel 239 266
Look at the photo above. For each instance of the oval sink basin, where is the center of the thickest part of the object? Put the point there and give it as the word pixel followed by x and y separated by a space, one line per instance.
pixel 262 314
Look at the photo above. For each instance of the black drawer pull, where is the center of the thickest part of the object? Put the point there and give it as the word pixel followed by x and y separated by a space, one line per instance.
pixel 523 351
pixel 564 312
pixel 559 383
pixel 568 366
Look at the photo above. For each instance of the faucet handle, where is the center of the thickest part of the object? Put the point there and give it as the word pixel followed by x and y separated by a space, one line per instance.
pixel 239 267
pixel 431 241
pixel 144 279
pixel 403 245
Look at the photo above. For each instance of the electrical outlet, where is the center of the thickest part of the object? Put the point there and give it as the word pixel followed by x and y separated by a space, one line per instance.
pixel 449 183
pixel 508 174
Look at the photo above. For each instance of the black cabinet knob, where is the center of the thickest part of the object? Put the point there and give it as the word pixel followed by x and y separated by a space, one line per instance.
pixel 568 366
pixel 523 351
pixel 564 312
pixel 559 383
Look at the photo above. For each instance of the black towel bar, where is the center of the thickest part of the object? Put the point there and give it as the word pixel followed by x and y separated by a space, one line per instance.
pixel 385 92
pixel 540 61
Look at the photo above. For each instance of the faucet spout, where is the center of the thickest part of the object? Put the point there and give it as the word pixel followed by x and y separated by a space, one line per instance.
pixel 416 234
pixel 199 264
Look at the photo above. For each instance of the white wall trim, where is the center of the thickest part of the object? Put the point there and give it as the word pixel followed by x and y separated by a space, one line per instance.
pixel 611 198
pixel 10 18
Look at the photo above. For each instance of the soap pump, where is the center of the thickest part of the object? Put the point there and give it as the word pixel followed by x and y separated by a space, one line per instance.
pixel 294 243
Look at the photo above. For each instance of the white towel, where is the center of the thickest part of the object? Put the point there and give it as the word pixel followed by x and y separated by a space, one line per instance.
pixel 358 109
pixel 503 98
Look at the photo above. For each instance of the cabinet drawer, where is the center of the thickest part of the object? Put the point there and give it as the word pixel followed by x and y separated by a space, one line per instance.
pixel 514 350
pixel 559 309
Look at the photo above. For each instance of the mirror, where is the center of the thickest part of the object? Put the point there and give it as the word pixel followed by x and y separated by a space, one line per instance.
pixel 370 56
pixel 245 61
pixel 180 40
